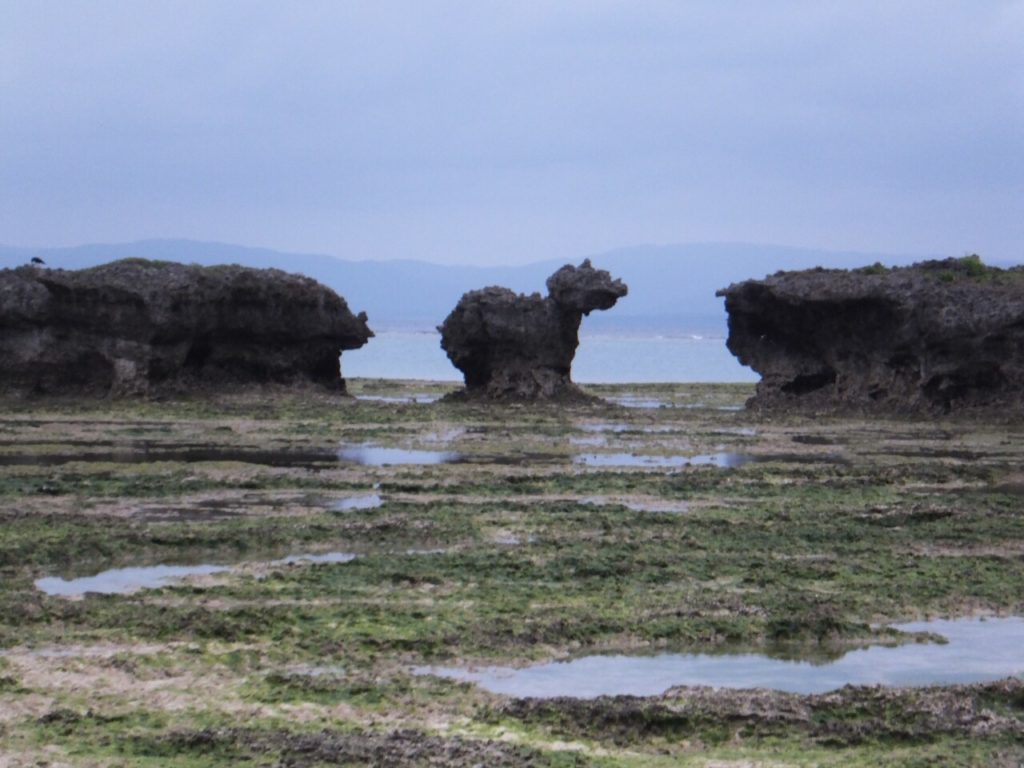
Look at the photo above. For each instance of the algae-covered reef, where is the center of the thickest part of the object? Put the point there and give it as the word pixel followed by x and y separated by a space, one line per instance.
pixel 358 541
pixel 935 337
pixel 143 327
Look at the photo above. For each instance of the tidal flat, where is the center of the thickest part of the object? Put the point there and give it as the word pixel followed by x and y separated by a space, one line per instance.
pixel 509 551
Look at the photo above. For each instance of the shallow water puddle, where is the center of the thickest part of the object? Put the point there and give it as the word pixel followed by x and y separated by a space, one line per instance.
pixel 724 459
pixel 666 507
pixel 592 440
pixel 366 501
pixel 404 399
pixel 513 540
pixel 376 456
pixel 123 581
pixel 605 427
pixel 649 429
pixel 978 650
pixel 636 401
pixel 324 557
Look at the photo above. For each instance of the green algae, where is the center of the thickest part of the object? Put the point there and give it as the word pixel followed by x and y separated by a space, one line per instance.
pixel 499 561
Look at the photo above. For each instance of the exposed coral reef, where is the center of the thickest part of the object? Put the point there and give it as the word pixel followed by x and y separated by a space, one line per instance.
pixel 515 347
pixel 135 326
pixel 935 337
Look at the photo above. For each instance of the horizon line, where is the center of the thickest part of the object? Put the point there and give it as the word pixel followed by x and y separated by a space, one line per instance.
pixel 597 254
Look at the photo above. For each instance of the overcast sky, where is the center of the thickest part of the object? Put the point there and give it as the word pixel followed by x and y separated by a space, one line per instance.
pixel 504 132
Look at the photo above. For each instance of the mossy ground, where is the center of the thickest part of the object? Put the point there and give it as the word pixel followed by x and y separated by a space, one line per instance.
pixel 513 554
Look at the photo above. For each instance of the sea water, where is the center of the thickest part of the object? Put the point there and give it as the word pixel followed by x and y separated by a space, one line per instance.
pixel 976 650
pixel 600 359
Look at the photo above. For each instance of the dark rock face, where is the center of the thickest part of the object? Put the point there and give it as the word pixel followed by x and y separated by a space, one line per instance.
pixel 515 347
pixel 134 326
pixel 936 337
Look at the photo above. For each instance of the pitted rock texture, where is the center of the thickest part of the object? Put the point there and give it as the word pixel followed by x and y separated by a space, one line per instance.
pixel 137 327
pixel 936 337
pixel 846 716
pixel 515 347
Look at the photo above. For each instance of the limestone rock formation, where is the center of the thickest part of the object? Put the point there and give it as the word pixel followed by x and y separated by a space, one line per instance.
pixel 515 347
pixel 935 337
pixel 135 326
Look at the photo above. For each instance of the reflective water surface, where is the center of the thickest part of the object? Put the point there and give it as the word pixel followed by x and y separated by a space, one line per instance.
pixel 724 459
pixel 120 581
pixel 366 501
pixel 323 557
pixel 604 426
pixel 978 650
pixel 727 459
pixel 123 581
pixel 418 398
pixel 373 455
pixel 638 401
pixel 591 440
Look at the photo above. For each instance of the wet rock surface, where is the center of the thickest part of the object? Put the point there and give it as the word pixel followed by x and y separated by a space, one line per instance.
pixel 138 327
pixel 313 659
pixel 936 337
pixel 515 347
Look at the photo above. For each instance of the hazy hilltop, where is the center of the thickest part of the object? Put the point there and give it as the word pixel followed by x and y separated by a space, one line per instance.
pixel 671 287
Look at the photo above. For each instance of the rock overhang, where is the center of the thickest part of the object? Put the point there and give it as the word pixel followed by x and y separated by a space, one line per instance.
pixel 137 326
pixel 936 337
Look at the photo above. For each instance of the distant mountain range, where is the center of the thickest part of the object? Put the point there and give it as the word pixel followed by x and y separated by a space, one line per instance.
pixel 671 287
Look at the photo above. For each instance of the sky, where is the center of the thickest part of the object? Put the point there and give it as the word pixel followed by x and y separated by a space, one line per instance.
pixel 490 132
